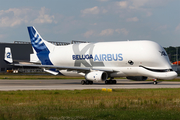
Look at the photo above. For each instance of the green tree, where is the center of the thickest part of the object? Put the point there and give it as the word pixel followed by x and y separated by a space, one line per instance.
pixel 171 51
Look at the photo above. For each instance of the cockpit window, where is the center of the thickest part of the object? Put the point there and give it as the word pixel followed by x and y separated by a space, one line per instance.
pixel 163 53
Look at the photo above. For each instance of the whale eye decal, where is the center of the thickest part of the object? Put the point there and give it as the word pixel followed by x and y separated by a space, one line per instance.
pixel 130 62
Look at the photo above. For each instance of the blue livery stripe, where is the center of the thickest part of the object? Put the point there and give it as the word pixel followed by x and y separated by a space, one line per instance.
pixel 36 41
pixel 39 46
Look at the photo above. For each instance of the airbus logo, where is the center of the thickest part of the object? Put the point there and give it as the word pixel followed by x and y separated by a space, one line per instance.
pixel 99 57
pixel 108 57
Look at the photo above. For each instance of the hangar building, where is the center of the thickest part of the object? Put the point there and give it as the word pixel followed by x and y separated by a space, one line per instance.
pixel 19 50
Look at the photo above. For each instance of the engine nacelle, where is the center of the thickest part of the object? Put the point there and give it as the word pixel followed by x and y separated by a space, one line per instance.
pixel 96 76
pixel 137 78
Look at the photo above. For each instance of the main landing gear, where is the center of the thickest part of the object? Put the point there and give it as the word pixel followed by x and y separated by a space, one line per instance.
pixel 155 81
pixel 110 81
pixel 87 82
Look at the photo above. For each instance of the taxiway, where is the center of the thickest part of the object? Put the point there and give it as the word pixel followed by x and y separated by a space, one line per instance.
pixel 70 84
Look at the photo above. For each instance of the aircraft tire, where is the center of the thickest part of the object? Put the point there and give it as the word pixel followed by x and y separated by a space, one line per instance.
pixel 114 81
pixel 111 82
pixel 91 82
pixel 106 82
pixel 83 82
pixel 155 82
pixel 87 82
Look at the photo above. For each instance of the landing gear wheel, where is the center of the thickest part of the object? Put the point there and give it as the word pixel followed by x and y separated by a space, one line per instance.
pixel 87 82
pixel 106 82
pixel 114 82
pixel 110 81
pixel 91 82
pixel 83 82
pixel 155 82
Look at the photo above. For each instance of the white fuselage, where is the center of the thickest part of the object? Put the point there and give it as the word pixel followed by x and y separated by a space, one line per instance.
pixel 127 58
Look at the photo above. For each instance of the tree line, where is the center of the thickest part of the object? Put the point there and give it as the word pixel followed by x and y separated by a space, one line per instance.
pixel 171 51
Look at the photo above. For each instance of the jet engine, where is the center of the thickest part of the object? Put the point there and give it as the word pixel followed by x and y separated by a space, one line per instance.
pixel 96 76
pixel 137 78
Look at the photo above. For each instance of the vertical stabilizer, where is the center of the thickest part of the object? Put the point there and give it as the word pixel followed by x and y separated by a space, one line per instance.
pixel 42 47
pixel 8 55
pixel 38 43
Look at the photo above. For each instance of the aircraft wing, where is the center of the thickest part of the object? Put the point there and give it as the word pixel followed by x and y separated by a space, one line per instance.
pixel 80 69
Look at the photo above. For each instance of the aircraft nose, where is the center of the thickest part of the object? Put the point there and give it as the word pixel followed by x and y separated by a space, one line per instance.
pixel 171 75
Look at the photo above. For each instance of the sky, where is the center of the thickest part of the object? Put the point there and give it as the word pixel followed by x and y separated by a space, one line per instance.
pixel 92 20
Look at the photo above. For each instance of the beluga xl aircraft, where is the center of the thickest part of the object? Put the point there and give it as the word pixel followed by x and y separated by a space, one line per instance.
pixel 135 60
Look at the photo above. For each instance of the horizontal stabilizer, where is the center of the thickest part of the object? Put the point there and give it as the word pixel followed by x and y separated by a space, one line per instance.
pixel 51 72
pixel 34 59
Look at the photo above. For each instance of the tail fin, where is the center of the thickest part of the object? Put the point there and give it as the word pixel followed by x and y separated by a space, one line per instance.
pixel 39 44
pixel 42 47
pixel 8 55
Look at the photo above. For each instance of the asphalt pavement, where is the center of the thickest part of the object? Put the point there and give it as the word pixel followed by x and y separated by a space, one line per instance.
pixel 72 84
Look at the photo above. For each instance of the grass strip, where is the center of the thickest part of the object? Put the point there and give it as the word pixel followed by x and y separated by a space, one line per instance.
pixel 90 104
pixel 35 76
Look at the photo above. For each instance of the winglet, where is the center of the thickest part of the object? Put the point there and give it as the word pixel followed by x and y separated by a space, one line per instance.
pixel 8 55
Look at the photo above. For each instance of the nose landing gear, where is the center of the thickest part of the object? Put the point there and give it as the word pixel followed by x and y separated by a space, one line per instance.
pixel 155 81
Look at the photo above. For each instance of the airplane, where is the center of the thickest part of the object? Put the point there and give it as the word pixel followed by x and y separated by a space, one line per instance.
pixel 135 60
